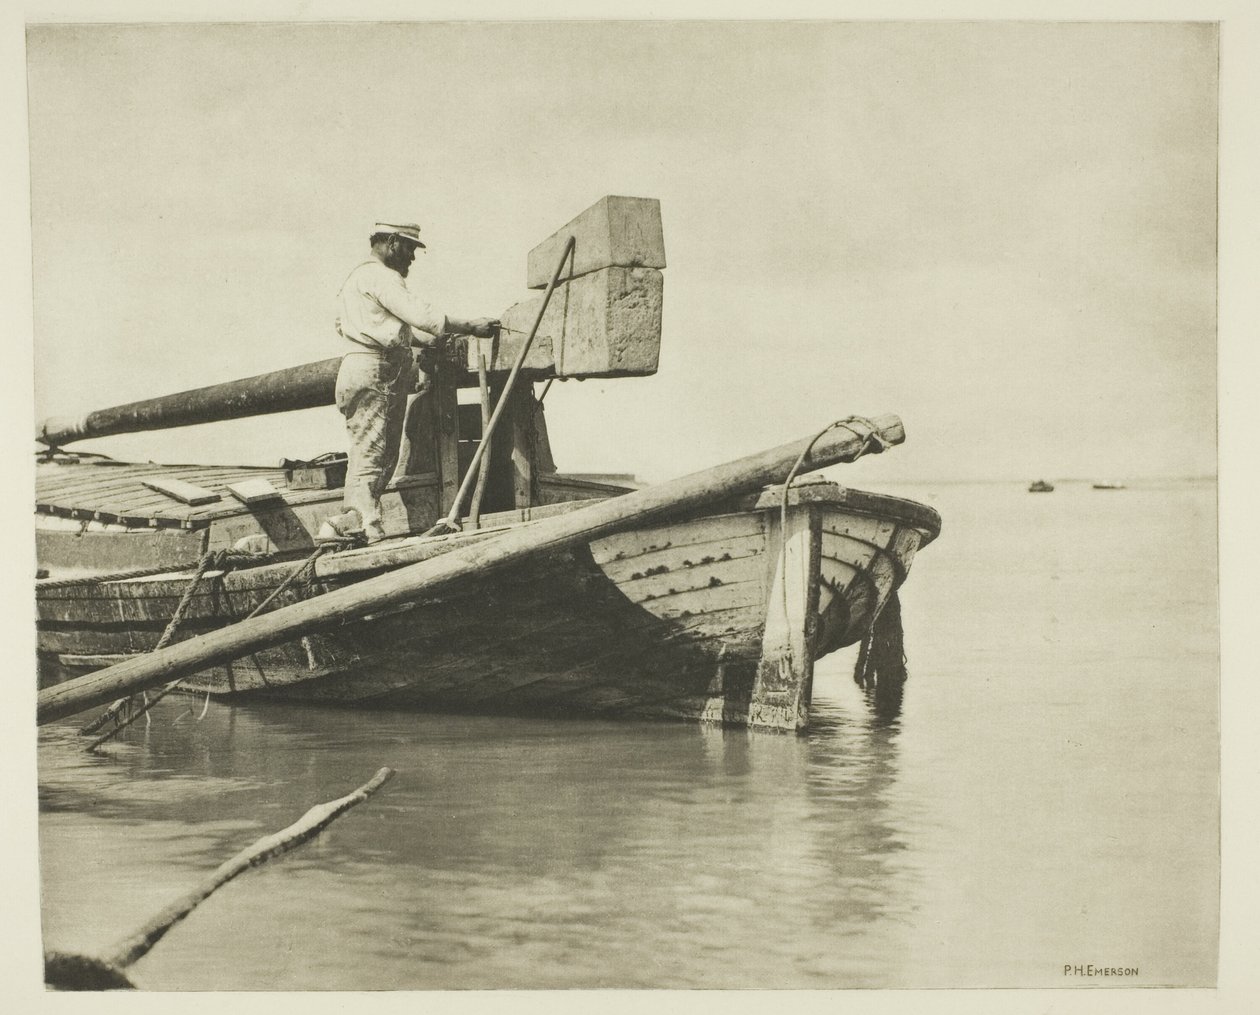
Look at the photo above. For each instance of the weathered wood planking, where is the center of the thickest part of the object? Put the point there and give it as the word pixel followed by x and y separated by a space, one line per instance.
pixel 120 491
pixel 687 602
pixel 693 533
pixel 877 531
pixel 880 569
pixel 720 549
pixel 60 552
pixel 657 584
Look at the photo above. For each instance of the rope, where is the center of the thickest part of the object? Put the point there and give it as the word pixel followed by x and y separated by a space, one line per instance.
pixel 208 561
pixel 217 561
pixel 229 560
pixel 308 563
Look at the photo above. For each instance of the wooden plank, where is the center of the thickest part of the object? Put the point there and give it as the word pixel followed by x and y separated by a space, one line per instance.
pixel 253 491
pixel 880 567
pixel 116 551
pixel 662 581
pixel 698 602
pixel 615 231
pixel 186 493
pixel 675 558
pixel 876 531
pixel 695 534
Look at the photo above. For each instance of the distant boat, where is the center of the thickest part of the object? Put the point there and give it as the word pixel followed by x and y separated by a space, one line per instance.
pixel 1041 486
pixel 1108 486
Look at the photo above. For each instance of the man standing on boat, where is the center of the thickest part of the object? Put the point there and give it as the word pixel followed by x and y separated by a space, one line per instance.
pixel 382 320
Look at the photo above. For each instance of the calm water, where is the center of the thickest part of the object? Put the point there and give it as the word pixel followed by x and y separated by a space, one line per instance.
pixel 1046 797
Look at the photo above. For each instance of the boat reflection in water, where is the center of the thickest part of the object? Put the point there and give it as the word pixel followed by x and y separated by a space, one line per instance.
pixel 507 852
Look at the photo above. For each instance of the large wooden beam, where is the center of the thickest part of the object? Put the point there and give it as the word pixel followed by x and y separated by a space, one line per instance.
pixel 622 232
pixel 605 324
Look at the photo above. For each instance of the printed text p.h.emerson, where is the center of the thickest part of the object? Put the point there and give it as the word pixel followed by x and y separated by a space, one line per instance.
pixel 1091 970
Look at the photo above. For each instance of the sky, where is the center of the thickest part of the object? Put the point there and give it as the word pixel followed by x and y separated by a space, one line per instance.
pixel 1003 232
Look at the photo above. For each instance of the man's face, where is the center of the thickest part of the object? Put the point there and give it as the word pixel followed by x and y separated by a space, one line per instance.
pixel 400 255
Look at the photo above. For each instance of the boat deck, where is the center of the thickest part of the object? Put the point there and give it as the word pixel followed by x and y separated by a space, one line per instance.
pixel 102 490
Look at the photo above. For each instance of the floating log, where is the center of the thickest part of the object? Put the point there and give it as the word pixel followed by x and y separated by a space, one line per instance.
pixel 83 972
pixel 842 442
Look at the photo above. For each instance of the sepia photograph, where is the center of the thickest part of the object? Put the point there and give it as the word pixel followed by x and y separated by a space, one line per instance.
pixel 563 504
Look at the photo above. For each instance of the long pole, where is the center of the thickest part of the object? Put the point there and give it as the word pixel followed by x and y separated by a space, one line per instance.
pixel 301 387
pixel 842 443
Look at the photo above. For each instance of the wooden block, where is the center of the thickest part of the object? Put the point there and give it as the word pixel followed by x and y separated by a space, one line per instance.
pixel 605 324
pixel 185 493
pixel 323 476
pixel 622 232
pixel 253 491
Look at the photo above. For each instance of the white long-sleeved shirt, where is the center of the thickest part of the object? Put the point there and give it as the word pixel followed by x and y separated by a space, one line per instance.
pixel 378 311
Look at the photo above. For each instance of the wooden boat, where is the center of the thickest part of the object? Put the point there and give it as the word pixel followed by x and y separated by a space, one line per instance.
pixel 716 611
pixel 1041 486
pixel 672 619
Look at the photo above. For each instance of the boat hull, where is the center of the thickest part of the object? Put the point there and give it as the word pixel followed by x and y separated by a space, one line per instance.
pixel 716 618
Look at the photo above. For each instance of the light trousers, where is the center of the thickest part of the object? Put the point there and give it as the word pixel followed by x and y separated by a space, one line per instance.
pixel 372 392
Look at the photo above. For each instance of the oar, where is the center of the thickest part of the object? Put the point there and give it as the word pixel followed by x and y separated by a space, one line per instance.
pixel 69 971
pixel 844 441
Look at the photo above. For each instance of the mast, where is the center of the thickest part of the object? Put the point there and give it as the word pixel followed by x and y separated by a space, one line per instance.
pixel 301 387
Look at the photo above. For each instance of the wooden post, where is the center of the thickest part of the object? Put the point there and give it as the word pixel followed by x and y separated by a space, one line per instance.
pixel 785 673
pixel 523 447
pixel 843 442
pixel 483 386
pixel 446 394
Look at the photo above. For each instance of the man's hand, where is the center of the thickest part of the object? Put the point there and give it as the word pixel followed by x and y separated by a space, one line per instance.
pixel 483 327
